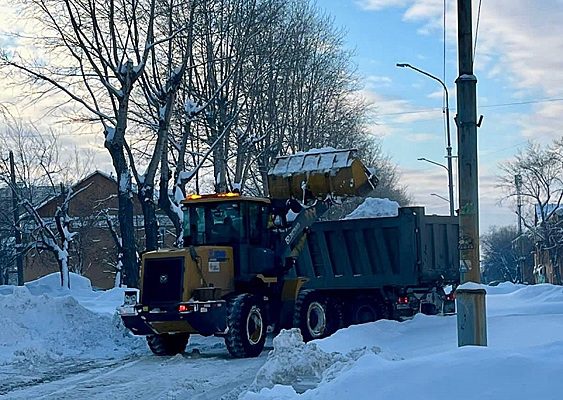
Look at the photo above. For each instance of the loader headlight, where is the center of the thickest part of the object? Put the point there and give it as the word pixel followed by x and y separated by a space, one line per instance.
pixel 130 298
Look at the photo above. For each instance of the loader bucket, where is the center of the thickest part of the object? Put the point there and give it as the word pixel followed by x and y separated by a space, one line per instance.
pixel 319 173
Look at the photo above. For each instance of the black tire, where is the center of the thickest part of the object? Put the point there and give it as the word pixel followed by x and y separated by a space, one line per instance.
pixel 246 326
pixel 428 309
pixel 168 344
pixel 316 315
pixel 365 311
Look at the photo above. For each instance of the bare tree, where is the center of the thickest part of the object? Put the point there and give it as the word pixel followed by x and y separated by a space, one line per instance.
pixel 210 92
pixel 58 241
pixel 100 50
pixel 41 170
pixel 540 169
pixel 501 254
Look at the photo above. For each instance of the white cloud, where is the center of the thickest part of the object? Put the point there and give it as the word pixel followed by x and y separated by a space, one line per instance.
pixel 374 5
pixel 375 81
pixel 422 137
pixel 391 115
pixel 517 40
pixel 543 123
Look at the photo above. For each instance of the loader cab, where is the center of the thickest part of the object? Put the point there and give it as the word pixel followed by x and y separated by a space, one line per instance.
pixel 229 219
pixel 226 220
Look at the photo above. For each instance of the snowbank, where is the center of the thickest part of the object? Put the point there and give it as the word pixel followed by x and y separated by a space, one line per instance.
pixel 373 207
pixel 42 322
pixel 420 358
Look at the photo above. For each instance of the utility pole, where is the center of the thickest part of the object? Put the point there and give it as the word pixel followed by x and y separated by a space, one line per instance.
pixel 518 183
pixel 471 318
pixel 17 230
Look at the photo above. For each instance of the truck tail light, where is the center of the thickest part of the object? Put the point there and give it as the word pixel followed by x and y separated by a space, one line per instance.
pixel 185 308
pixel 403 300
pixel 450 296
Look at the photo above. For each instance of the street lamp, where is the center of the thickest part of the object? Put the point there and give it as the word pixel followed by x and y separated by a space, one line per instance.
pixel 433 162
pixel 448 137
pixel 439 196
pixel 448 170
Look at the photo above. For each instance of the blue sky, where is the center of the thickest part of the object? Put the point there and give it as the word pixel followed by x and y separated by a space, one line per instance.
pixel 515 61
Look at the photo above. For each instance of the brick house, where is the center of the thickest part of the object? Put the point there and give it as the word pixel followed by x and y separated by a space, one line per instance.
pixel 93 252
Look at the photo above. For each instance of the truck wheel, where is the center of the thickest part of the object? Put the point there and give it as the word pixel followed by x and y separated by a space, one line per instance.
pixel 315 315
pixel 168 344
pixel 365 312
pixel 428 309
pixel 246 326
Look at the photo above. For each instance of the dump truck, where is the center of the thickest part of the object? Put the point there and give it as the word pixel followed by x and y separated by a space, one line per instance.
pixel 253 264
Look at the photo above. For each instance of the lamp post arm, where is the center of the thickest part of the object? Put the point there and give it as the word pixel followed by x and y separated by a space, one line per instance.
pixel 434 162
pixel 430 76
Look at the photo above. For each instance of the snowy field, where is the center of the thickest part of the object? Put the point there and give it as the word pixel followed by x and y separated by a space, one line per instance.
pixel 69 344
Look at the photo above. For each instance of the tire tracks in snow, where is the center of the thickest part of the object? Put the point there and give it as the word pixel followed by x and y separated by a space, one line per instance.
pixel 186 376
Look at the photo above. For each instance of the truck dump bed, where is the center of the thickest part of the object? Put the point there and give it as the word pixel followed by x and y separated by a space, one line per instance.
pixel 376 252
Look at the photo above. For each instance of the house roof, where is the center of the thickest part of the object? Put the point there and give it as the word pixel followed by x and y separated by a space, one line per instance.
pixel 54 200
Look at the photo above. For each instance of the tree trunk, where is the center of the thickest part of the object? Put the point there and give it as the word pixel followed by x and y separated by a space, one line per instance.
pixel 115 146
pixel 146 198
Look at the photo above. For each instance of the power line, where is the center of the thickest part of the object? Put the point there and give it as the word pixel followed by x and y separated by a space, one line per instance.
pixel 477 30
pixel 515 103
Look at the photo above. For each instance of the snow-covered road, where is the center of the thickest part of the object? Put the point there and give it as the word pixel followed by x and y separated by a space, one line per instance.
pixel 69 344
pixel 204 371
pixel 57 343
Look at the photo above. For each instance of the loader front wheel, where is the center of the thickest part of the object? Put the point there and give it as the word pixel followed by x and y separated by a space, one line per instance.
pixel 168 344
pixel 246 326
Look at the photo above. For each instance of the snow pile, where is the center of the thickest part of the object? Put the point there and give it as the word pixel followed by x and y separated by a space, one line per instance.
pixel 42 323
pixel 373 207
pixel 292 361
pixel 420 358
pixel 302 365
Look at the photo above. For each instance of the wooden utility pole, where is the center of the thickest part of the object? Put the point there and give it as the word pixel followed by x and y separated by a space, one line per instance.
pixel 471 318
pixel 518 183
pixel 17 230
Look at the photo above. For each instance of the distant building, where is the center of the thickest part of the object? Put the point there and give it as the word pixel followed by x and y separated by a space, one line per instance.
pixel 93 253
pixel 548 261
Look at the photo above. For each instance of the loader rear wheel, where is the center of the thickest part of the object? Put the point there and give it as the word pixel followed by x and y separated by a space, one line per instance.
pixel 316 315
pixel 168 344
pixel 246 326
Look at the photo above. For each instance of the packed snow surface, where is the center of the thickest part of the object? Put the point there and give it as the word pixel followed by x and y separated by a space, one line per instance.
pixel 374 207
pixel 69 343
pixel 420 358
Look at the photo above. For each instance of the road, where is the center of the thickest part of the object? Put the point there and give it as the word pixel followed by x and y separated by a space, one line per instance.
pixel 205 371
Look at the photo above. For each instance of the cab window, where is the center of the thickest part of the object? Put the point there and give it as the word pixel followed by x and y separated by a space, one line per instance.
pixel 258 224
